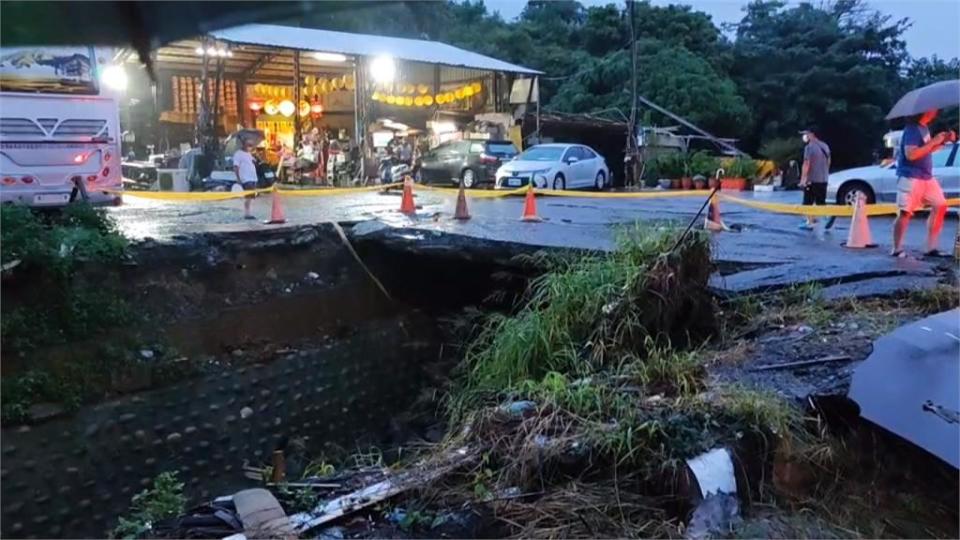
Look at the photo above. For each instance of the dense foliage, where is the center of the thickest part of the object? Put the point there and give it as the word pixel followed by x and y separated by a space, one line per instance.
pixel 837 64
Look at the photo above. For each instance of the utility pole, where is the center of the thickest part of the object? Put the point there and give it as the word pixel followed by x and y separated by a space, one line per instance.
pixel 633 152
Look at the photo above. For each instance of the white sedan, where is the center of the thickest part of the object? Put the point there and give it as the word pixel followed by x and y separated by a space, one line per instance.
pixel 878 183
pixel 557 166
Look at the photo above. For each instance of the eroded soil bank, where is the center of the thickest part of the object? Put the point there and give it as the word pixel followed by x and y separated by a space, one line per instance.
pixel 240 345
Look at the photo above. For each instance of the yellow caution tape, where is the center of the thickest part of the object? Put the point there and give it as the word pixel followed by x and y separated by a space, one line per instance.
pixel 323 192
pixel 475 193
pixel 187 196
pixel 836 211
pixel 626 194
pixel 193 196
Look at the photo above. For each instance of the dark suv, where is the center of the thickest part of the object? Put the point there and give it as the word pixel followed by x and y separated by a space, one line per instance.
pixel 470 162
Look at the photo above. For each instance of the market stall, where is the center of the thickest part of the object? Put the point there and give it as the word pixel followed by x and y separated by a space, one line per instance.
pixel 306 87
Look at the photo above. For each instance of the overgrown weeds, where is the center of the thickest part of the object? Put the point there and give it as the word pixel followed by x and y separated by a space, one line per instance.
pixel 601 371
pixel 162 501
pixel 48 248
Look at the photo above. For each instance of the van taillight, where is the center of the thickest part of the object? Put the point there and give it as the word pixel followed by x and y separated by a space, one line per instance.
pixel 27 179
pixel 9 180
pixel 487 158
pixel 92 178
pixel 106 172
pixel 106 156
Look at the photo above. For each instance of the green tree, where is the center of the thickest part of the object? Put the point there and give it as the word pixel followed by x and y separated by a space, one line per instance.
pixel 836 68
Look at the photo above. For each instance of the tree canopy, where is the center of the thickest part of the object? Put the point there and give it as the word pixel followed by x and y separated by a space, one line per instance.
pixel 839 65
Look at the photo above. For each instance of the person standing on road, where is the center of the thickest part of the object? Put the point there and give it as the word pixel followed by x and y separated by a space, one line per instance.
pixel 814 173
pixel 916 185
pixel 246 170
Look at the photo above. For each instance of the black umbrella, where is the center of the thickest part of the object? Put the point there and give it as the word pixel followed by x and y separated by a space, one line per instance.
pixel 938 95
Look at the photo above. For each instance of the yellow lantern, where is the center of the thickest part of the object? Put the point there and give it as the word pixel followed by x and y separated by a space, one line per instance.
pixel 459 93
pixel 427 101
pixel 351 83
pixel 305 91
pixel 467 91
pixel 422 89
pixel 304 108
pixel 310 79
pixel 391 99
pixel 418 101
pixel 258 89
pixel 449 97
pixel 408 101
pixel 477 87
pixel 334 84
pixel 324 86
pixel 439 99
pixel 270 107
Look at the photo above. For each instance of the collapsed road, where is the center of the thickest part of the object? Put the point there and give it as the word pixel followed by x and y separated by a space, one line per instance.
pixel 272 337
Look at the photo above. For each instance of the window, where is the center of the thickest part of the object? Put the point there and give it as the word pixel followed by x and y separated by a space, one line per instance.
pixel 476 148
pixel 587 153
pixel 542 153
pixel 501 149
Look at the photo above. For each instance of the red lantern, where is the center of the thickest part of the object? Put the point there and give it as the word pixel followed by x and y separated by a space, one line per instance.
pixel 255 105
pixel 316 109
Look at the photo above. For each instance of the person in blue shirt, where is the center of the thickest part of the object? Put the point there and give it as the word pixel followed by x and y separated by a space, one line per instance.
pixel 916 185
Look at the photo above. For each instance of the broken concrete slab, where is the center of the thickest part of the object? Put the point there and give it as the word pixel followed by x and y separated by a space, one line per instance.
pixel 827 272
pixel 910 385
pixel 882 286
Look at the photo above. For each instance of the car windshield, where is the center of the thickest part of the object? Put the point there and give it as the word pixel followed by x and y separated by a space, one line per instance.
pixel 501 149
pixel 542 153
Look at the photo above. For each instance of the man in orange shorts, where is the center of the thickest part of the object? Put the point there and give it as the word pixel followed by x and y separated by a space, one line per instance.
pixel 916 185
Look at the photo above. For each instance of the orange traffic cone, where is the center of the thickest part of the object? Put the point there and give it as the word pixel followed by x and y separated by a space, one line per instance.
pixel 461 212
pixel 859 236
pixel 530 207
pixel 712 221
pixel 406 203
pixel 277 217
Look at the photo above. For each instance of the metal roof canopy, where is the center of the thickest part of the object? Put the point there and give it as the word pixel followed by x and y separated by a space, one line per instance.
pixel 248 61
pixel 416 50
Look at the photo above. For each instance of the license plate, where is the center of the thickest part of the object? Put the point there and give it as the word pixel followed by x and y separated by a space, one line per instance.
pixel 51 198
pixel 514 182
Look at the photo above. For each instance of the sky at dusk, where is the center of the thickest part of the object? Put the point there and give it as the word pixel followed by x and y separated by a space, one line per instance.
pixel 935 30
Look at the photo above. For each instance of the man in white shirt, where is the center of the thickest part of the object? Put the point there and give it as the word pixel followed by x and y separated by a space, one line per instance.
pixel 246 170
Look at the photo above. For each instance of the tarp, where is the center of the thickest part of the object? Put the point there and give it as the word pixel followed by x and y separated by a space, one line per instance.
pixel 910 384
pixel 309 39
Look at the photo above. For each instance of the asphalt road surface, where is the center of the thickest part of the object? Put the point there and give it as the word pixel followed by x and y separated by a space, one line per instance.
pixel 568 222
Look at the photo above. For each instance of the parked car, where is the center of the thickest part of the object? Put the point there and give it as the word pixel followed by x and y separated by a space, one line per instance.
pixel 557 166
pixel 879 182
pixel 470 162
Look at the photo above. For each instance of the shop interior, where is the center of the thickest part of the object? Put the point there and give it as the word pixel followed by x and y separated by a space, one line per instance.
pixel 335 112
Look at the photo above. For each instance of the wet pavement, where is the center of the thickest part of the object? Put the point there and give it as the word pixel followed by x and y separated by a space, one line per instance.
pixel 768 248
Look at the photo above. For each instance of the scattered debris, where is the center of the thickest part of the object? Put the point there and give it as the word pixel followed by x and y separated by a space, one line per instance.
pixel 802 363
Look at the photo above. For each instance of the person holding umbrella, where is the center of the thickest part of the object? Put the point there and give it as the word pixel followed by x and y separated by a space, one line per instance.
pixel 916 185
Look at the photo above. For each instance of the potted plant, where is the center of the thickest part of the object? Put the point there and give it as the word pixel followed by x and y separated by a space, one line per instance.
pixel 739 170
pixel 703 167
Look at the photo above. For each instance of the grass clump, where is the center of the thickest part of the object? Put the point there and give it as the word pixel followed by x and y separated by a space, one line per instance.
pixel 591 311
pixel 54 305
pixel 164 500
pixel 597 382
